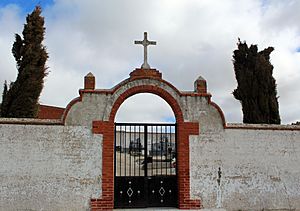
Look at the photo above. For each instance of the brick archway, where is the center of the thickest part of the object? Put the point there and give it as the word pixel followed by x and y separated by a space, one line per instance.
pixel 184 129
pixel 147 89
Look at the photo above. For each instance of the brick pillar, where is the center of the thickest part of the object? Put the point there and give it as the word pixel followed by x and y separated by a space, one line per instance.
pixel 185 129
pixel 200 85
pixel 89 81
pixel 106 202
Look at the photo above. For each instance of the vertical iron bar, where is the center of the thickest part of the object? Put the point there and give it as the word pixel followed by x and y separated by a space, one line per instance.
pixel 166 148
pixel 152 150
pixel 129 151
pixel 121 148
pixel 171 149
pixel 161 145
pixel 125 150
pixel 145 150
pixel 139 146
pixel 156 154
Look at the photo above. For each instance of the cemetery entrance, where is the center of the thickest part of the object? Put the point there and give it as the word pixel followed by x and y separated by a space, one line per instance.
pixel 145 165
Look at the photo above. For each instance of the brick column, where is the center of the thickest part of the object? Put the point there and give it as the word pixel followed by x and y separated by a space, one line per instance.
pixel 106 202
pixel 185 129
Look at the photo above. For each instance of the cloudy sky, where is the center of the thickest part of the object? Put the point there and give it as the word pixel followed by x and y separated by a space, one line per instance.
pixel 194 37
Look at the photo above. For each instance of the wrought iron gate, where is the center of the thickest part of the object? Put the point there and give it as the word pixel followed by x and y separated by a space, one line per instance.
pixel 145 165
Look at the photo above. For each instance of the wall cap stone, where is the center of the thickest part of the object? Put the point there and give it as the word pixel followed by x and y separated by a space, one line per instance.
pixel 30 121
pixel 261 126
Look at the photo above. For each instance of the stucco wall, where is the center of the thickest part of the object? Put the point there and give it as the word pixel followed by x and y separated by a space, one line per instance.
pixel 97 105
pixel 48 167
pixel 259 168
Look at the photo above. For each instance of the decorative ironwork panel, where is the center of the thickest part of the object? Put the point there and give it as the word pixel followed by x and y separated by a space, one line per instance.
pixel 129 192
pixel 162 191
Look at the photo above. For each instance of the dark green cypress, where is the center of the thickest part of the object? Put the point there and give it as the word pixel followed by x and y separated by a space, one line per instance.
pixel 256 88
pixel 22 98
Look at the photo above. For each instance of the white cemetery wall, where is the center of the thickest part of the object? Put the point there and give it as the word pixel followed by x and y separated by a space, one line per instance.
pixel 246 169
pixel 49 167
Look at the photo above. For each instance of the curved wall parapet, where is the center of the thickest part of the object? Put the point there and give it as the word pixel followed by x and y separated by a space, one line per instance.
pixel 99 103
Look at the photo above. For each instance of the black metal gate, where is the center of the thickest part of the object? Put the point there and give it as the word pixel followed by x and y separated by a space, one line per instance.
pixel 145 165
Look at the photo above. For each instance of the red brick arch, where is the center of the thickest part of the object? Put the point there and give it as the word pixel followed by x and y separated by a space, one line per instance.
pixel 184 129
pixel 148 89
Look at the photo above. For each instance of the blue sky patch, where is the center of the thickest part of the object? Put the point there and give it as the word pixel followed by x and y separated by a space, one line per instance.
pixel 298 49
pixel 26 6
pixel 170 119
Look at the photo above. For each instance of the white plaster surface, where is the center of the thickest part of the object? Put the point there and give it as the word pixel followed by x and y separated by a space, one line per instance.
pixel 97 106
pixel 92 107
pixel 260 169
pixel 49 167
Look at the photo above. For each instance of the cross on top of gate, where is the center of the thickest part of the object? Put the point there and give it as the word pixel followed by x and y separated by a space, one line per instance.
pixel 145 43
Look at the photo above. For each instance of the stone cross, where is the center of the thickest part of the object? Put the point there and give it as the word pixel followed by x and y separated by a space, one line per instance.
pixel 145 43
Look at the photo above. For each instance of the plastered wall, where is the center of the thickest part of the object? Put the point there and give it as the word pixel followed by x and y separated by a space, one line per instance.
pixel 246 168
pixel 48 167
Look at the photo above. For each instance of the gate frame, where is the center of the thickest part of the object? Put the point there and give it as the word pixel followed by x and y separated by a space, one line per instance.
pixel 184 130
pixel 145 142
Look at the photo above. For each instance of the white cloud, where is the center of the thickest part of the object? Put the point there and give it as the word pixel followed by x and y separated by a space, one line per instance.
pixel 193 38
pixel 10 23
pixel 148 106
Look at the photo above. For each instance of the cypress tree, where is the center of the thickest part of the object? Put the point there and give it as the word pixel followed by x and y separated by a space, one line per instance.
pixel 256 89
pixel 21 100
